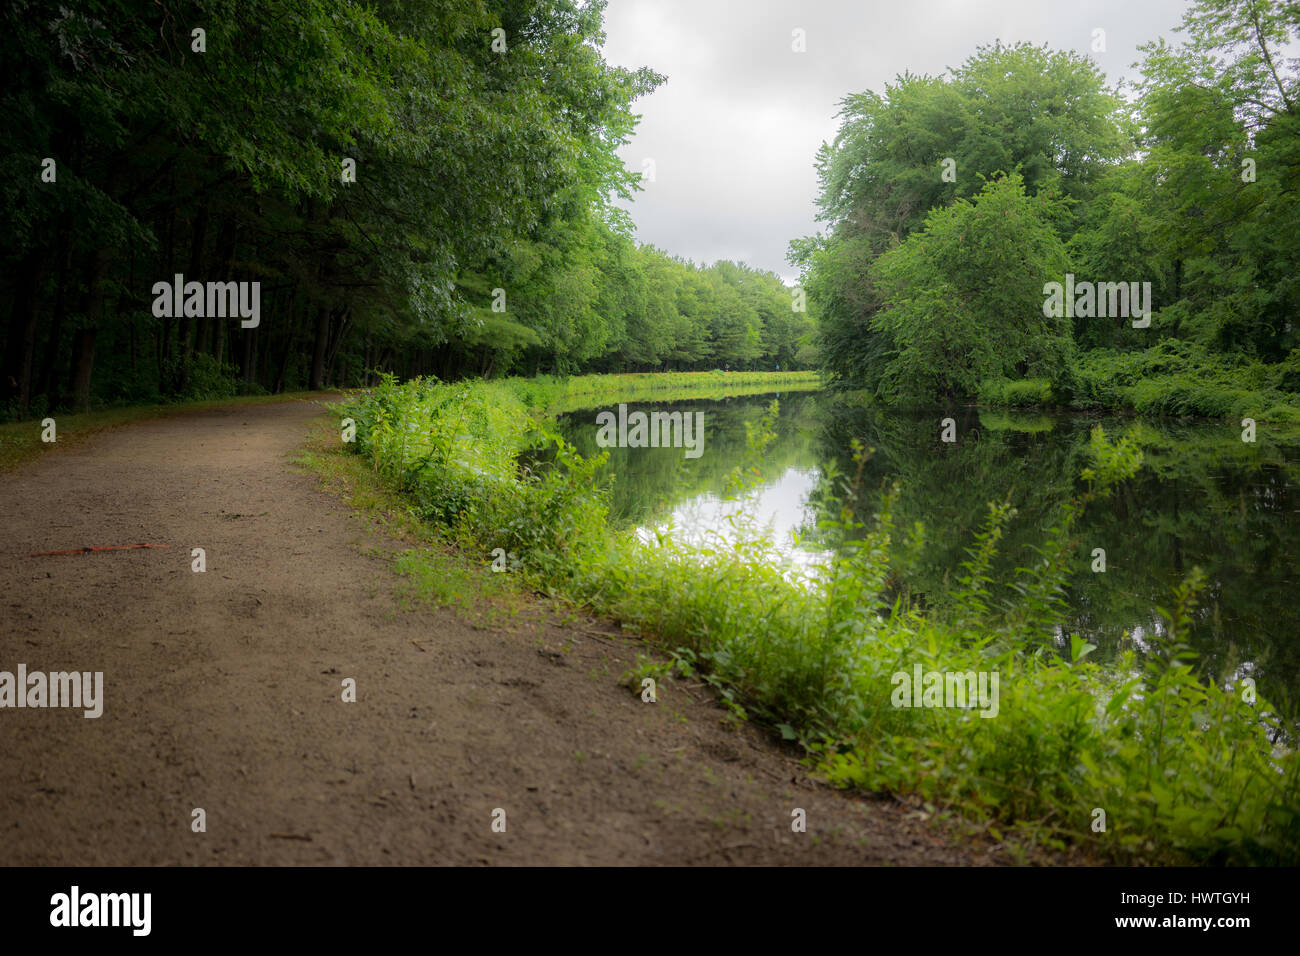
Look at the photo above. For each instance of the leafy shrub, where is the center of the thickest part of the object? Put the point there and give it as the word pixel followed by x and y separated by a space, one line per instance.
pixel 1028 392
pixel 1181 379
pixel 206 380
pixel 1286 374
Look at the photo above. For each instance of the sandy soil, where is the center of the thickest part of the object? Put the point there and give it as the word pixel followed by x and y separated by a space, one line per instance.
pixel 223 691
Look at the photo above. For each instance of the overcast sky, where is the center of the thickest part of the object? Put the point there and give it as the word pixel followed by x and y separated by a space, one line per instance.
pixel 734 130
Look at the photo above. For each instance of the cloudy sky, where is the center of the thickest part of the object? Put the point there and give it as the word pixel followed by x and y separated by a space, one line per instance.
pixel 735 129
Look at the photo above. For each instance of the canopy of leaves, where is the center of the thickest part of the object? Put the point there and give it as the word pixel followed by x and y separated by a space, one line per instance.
pixel 1194 188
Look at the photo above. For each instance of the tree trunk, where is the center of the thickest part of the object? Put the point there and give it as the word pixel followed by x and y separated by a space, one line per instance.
pixel 193 273
pixel 336 342
pixel 83 348
pixel 249 360
pixel 210 327
pixel 288 348
pixel 20 343
pixel 49 381
pixel 166 380
pixel 219 349
pixel 316 382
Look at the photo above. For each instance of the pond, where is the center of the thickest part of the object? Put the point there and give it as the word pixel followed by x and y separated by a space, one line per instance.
pixel 1203 498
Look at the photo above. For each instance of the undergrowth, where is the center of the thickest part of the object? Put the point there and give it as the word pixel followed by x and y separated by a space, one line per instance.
pixel 1172 379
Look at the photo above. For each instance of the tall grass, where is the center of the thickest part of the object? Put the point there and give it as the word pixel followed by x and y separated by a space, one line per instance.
pixel 1184 767
pixel 554 395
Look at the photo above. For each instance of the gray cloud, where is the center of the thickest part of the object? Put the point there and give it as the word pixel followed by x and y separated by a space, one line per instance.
pixel 735 129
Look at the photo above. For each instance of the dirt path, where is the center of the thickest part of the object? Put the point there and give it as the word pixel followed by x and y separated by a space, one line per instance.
pixel 223 691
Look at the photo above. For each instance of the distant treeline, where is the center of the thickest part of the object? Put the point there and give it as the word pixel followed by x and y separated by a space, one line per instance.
pixel 415 187
pixel 952 203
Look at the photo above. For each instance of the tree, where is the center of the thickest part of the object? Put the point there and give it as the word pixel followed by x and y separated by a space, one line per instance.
pixel 1222 139
pixel 926 142
pixel 355 160
pixel 963 297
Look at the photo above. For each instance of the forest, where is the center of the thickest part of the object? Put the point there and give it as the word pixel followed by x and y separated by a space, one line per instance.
pixel 417 188
pixel 433 189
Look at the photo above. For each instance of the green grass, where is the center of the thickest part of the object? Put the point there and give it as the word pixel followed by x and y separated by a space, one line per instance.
pixel 553 396
pixel 1029 392
pixel 433 569
pixel 1181 380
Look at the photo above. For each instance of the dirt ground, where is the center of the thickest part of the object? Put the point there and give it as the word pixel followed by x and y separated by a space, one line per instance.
pixel 224 691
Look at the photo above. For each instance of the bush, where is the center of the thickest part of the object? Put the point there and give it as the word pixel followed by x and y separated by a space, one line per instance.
pixel 1029 392
pixel 1286 374
pixel 206 379
pixel 1181 379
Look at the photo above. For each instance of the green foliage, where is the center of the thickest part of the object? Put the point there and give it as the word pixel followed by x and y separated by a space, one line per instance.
pixel 1223 100
pixel 1193 188
pixel 961 298
pixel 1017 393
pixel 1021 109
pixel 646 667
pixel 207 380
pixel 1181 379
pixel 1185 768
pixel 480 233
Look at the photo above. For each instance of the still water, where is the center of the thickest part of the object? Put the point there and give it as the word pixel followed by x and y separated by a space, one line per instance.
pixel 1202 498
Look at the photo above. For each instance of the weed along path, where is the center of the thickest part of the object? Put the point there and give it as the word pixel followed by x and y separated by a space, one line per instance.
pixel 226 734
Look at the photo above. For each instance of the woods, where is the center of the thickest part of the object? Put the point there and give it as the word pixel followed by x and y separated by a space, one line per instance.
pixel 418 188
pixel 434 189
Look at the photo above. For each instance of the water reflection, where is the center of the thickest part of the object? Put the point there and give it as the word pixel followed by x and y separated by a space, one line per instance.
pixel 1203 497
pixel 778 508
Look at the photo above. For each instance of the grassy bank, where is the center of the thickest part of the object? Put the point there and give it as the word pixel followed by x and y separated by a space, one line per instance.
pixel 555 395
pixel 1140 761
